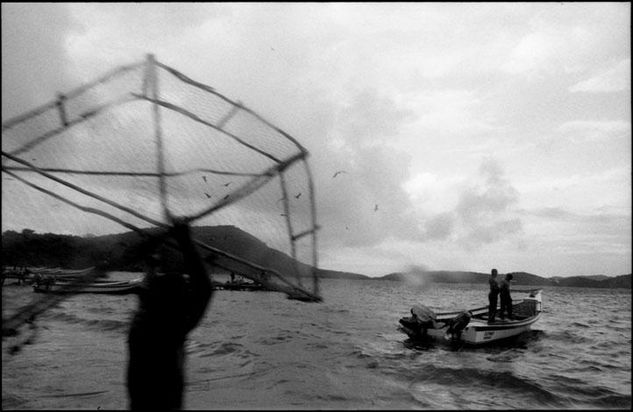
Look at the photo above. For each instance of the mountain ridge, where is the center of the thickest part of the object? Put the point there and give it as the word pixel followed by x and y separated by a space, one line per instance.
pixel 519 278
pixel 122 252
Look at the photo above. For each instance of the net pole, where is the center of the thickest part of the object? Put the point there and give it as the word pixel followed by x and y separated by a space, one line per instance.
pixel 82 191
pixel 286 214
pixel 315 227
pixel 191 115
pixel 152 77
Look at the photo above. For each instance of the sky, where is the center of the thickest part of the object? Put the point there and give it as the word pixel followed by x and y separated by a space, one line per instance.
pixel 472 136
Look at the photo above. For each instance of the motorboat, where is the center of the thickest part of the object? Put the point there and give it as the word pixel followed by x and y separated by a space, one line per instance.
pixel 472 326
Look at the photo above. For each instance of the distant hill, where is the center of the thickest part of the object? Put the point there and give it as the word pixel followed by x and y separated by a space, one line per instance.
pixel 519 278
pixel 622 281
pixel 594 277
pixel 124 252
pixel 441 276
pixel 333 274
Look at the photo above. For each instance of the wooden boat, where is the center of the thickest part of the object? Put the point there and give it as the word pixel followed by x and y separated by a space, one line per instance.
pixel 472 326
pixel 109 287
pixel 61 274
pixel 44 270
pixel 28 275
pixel 245 286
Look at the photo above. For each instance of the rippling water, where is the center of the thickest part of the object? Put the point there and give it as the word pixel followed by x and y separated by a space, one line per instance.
pixel 258 350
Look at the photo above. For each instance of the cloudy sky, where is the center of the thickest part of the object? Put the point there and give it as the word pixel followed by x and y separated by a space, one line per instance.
pixel 472 135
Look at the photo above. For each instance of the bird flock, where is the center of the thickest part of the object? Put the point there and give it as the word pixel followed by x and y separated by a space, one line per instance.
pixel 224 184
pixel 296 196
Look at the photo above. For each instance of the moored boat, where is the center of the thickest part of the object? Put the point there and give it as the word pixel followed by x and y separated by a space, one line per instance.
pixel 61 274
pixel 243 286
pixel 30 275
pixel 472 326
pixel 109 287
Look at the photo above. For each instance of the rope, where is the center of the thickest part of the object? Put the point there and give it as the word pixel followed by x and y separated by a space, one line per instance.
pixel 204 122
pixel 30 311
pixel 78 206
pixel 136 174
pixel 249 187
pixel 83 191
pixel 226 99
pixel 82 117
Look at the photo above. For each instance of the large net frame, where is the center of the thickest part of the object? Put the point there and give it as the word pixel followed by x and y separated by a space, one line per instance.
pixel 143 144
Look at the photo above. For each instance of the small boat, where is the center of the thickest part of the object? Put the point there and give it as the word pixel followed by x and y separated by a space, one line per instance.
pixel 471 326
pixel 62 274
pixel 237 284
pixel 29 275
pixel 109 287
pixel 244 286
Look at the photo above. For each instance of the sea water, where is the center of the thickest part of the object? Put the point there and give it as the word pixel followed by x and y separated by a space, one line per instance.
pixel 259 350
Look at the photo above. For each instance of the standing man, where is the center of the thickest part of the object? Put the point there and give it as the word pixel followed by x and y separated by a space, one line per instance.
pixel 492 296
pixel 506 300
pixel 171 304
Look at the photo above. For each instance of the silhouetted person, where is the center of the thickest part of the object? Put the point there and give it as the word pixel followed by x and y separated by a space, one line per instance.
pixel 170 305
pixel 506 300
pixel 493 295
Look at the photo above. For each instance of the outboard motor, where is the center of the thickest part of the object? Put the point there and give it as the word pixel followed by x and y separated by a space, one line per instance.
pixel 421 319
pixel 458 323
pixel 423 314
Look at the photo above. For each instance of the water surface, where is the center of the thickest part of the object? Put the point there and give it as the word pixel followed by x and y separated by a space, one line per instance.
pixel 259 350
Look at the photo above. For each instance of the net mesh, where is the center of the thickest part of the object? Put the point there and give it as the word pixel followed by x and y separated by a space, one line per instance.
pixel 144 143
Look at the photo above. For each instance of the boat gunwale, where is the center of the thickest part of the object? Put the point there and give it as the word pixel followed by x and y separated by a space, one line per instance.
pixel 508 324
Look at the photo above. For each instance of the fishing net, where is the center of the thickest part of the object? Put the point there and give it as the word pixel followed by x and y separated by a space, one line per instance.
pixel 143 144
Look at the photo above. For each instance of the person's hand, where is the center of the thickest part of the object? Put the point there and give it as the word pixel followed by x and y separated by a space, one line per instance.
pixel 180 229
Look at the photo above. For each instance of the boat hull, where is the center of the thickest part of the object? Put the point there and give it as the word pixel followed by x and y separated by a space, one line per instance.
pixel 113 288
pixel 478 331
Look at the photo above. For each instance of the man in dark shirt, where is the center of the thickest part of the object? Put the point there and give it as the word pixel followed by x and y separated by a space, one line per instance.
pixel 170 305
pixel 506 299
pixel 492 296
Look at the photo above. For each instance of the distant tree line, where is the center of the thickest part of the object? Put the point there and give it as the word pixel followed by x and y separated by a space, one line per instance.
pixel 28 248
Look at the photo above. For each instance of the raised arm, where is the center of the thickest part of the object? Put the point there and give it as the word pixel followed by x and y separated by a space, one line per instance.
pixel 200 284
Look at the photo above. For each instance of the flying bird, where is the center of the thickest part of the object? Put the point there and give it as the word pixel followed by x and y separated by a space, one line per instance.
pixel 204 178
pixel 346 228
pixel 283 214
pixel 208 196
pixel 298 196
pixel 376 207
pixel 338 173
pixel 226 197
pixel 227 184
